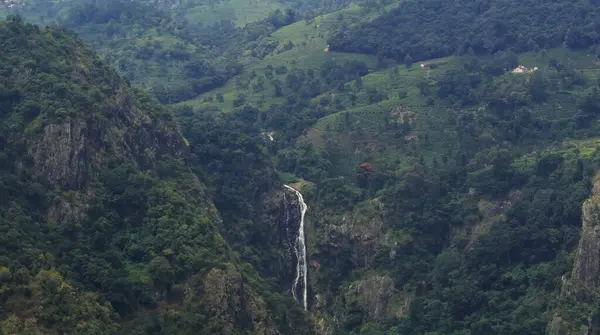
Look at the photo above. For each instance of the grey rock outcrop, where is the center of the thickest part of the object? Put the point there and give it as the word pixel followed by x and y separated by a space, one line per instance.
pixel 373 295
pixel 280 216
pixel 585 276
pixel 580 287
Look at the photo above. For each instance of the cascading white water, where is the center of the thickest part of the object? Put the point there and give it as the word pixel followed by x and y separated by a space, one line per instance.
pixel 300 249
pixel 287 221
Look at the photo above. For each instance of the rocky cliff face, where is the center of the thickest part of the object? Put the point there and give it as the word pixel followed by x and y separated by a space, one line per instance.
pixel 364 229
pixel 374 296
pixel 70 151
pixel 582 284
pixel 356 236
pixel 280 214
pixel 586 271
pixel 229 301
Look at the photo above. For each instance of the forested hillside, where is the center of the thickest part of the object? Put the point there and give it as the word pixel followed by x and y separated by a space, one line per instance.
pixel 172 58
pixel 463 219
pixel 104 228
pixel 447 152
pixel 444 198
pixel 427 29
pixel 175 49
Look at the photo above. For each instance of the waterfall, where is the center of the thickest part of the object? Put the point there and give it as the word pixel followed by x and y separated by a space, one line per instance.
pixel 300 250
pixel 287 222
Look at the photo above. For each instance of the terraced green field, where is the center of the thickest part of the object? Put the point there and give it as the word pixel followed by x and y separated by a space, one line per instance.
pixel 241 12
pixel 569 149
pixel 309 40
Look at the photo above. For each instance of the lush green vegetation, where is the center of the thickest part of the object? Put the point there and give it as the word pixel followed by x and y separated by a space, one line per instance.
pixel 463 217
pixel 128 240
pixel 430 29
pixel 481 175
pixel 177 50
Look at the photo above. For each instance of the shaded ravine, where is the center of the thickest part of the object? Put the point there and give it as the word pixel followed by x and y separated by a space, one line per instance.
pixel 300 250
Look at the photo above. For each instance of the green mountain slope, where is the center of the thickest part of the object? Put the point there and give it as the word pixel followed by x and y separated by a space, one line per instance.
pixel 175 49
pixel 445 195
pixel 150 44
pixel 300 53
pixel 469 214
pixel 301 46
pixel 105 229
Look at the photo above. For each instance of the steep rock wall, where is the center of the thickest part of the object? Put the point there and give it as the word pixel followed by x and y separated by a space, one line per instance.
pixel 280 214
pixel 579 289
pixel 585 276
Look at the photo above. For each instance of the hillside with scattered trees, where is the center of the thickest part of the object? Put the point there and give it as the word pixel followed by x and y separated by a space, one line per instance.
pixel 447 153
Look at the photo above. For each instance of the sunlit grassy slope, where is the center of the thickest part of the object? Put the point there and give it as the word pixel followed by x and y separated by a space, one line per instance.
pixel 309 40
pixel 569 149
pixel 241 12
pixel 205 12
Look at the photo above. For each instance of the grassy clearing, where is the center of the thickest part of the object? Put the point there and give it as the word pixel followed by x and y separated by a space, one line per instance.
pixel 577 59
pixel 300 184
pixel 570 149
pixel 241 12
pixel 586 147
pixel 287 177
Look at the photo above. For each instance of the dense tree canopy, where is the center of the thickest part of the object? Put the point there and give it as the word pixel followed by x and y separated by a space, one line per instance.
pixel 98 242
pixel 431 29
pixel 443 199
